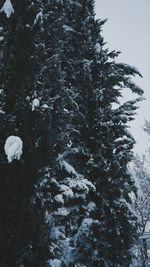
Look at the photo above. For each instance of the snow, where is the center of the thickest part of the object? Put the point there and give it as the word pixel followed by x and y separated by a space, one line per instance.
pixel 123 139
pixel 68 167
pixel 91 206
pixel 64 164
pixel 66 110
pixel 59 199
pixel 132 68
pixel 1 38
pixel 136 181
pixel 66 191
pixel 95 252
pixel 68 28
pixel 87 63
pixel 129 134
pixel 28 26
pixel 35 104
pixel 68 257
pixel 97 49
pixel 61 212
pixel 84 229
pixel 57 233
pixel 43 182
pixel 55 263
pixel 48 217
pixel 69 152
pixel 45 106
pixel 13 148
pixel 147 227
pixel 80 185
pixel 39 16
pixel 69 144
pixel 7 8
pixel 76 188
pixel 122 202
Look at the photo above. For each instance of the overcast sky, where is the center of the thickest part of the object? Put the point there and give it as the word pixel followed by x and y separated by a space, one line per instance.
pixel 128 30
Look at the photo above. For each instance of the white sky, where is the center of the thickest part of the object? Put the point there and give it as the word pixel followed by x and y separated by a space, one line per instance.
pixel 128 30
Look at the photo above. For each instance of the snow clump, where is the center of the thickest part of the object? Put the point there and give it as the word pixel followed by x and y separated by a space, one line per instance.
pixel 39 16
pixel 35 104
pixel 59 199
pixel 1 38
pixel 7 8
pixel 97 49
pixel 45 106
pixel 55 263
pixel 13 148
pixel 64 164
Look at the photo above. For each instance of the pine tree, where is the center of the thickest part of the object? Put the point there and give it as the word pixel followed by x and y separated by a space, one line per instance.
pixel 59 86
pixel 102 137
pixel 32 100
pixel 140 203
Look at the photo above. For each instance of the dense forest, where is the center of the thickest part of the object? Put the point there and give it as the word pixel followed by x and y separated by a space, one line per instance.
pixel 65 184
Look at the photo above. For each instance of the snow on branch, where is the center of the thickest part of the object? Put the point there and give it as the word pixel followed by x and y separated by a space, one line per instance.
pixel 13 148
pixel 55 263
pixel 38 17
pixel 128 69
pixel 65 165
pixel 97 49
pixel 68 29
pixel 7 8
pixel 35 104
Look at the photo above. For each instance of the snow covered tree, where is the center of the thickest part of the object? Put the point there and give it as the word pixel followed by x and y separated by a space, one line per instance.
pixel 32 109
pixel 101 135
pixel 67 197
pixel 140 203
pixel 21 221
pixel 99 150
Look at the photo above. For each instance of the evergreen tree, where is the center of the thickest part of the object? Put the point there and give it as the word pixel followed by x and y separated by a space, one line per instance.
pixel 100 133
pixel 67 199
pixel 32 100
pixel 140 204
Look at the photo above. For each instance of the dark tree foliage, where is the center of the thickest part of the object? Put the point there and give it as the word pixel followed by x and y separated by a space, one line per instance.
pixel 30 72
pixel 100 133
pixel 66 201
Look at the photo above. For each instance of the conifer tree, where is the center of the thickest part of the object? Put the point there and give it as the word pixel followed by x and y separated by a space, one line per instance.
pixel 100 133
pixel 67 198
pixel 32 99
